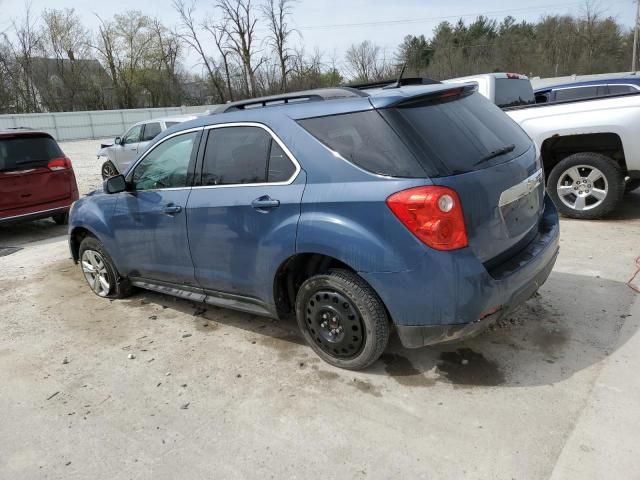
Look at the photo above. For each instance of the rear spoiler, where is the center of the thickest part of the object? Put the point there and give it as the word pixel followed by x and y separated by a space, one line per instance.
pixel 436 93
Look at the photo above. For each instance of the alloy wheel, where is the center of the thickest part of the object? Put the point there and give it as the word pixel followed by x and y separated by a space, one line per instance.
pixel 582 187
pixel 95 272
pixel 108 170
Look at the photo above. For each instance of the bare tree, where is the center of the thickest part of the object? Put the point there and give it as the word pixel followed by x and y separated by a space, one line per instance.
pixel 276 13
pixel 27 43
pixel 365 61
pixel 240 27
pixel 190 33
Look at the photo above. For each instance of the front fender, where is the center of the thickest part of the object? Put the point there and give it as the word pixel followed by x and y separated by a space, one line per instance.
pixel 91 213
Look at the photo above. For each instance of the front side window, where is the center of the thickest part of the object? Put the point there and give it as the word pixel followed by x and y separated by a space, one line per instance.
pixel 167 165
pixel 621 89
pixel 244 155
pixel 151 131
pixel 133 135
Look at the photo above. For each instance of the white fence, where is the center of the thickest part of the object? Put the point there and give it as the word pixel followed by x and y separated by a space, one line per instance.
pixel 93 124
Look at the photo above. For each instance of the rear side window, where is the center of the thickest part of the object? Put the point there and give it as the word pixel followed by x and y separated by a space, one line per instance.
pixel 578 93
pixel 244 155
pixel 171 124
pixel 459 135
pixel 513 92
pixel 20 153
pixel 367 140
pixel 151 131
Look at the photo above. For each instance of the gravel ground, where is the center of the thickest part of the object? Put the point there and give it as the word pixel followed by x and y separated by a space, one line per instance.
pixel 159 388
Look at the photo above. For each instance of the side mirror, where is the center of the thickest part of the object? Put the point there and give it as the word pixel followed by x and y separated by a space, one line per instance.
pixel 115 184
pixel 118 141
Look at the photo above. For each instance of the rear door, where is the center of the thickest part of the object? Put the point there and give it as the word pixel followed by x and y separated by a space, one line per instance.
pixel 242 219
pixel 25 177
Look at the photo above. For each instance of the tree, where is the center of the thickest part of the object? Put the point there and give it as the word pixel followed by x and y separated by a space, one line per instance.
pixel 365 62
pixel 276 13
pixel 416 53
pixel 240 25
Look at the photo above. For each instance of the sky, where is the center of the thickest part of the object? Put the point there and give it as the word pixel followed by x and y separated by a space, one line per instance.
pixel 333 25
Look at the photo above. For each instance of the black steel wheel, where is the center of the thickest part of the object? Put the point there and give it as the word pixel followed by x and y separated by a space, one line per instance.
pixel 343 319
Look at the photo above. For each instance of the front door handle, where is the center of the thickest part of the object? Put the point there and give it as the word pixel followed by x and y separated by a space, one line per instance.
pixel 265 203
pixel 172 209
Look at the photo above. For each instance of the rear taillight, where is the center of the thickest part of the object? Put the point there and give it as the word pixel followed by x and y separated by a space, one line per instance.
pixel 60 163
pixel 433 214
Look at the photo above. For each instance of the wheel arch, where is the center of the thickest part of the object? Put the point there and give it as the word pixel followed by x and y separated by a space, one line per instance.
pixel 76 236
pixel 556 148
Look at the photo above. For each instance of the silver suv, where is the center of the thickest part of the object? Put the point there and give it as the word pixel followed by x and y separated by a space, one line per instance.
pixel 126 148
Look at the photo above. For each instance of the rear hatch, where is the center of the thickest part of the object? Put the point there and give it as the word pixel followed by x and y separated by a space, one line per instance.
pixel 468 144
pixel 26 178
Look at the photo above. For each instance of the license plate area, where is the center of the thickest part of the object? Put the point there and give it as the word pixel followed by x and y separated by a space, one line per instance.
pixel 521 205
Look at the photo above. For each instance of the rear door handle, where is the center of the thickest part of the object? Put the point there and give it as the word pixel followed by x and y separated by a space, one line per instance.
pixel 265 203
pixel 172 209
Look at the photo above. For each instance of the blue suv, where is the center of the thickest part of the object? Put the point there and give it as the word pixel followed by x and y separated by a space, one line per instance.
pixel 419 208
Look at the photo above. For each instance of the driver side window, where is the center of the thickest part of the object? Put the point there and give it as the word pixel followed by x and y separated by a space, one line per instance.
pixel 133 135
pixel 167 165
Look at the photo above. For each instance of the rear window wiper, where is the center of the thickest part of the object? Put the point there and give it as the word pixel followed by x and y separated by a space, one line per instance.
pixel 496 153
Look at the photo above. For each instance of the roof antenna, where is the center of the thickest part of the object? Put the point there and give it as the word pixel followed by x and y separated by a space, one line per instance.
pixel 398 83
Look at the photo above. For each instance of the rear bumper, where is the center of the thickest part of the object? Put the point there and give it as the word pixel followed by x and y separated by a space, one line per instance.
pixel 37 212
pixel 451 295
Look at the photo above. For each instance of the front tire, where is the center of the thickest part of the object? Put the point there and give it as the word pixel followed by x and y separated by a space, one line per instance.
pixel 343 319
pixel 586 185
pixel 100 272
pixel 108 170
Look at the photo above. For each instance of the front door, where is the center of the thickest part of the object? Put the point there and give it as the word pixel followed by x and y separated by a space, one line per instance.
pixel 242 218
pixel 149 221
pixel 127 151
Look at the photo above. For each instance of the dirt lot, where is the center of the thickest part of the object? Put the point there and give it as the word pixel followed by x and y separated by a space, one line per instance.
pixel 553 392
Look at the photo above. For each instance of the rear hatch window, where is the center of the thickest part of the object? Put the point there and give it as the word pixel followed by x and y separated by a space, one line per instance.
pixel 26 152
pixel 458 134
pixel 514 92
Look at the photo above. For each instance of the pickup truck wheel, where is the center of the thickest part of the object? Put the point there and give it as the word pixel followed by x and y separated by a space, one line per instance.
pixel 631 185
pixel 108 170
pixel 343 319
pixel 100 272
pixel 586 185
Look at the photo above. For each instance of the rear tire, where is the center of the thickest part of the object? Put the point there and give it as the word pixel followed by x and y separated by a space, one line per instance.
pixel 100 272
pixel 108 170
pixel 586 185
pixel 61 218
pixel 343 319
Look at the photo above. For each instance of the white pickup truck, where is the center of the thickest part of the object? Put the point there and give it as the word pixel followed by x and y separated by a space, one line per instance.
pixel 590 148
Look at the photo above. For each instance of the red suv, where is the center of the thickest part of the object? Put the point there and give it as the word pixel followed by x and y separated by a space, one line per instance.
pixel 36 178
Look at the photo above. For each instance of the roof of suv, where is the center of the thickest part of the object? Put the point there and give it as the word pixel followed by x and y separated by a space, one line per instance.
pixel 22 132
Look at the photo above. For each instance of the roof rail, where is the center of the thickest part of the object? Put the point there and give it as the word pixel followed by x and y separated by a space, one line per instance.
pixel 293 97
pixel 394 83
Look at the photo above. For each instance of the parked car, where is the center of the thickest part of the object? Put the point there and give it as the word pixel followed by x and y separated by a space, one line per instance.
pixel 603 87
pixel 590 149
pixel 127 147
pixel 419 207
pixel 36 178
